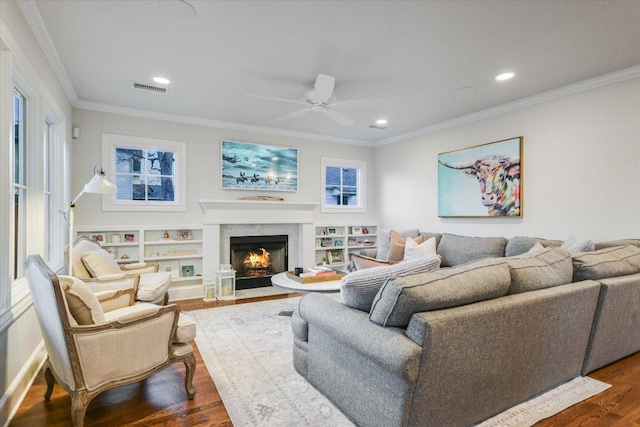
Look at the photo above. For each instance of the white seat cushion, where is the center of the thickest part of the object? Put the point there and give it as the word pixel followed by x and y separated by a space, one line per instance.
pixel 153 286
pixel 186 330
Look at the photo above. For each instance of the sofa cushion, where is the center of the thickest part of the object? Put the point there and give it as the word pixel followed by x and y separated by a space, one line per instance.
pixel 575 244
pixel 611 243
pixel 402 296
pixel 604 263
pixel 413 249
pixel 362 262
pixel 358 289
pixel 397 244
pixel 100 263
pixel 462 249
pixel 82 302
pixel 384 241
pixel 519 245
pixel 540 269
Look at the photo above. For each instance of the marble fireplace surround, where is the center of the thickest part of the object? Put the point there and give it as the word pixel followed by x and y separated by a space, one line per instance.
pixel 226 218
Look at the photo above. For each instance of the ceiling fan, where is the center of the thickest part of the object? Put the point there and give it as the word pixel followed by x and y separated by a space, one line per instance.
pixel 320 99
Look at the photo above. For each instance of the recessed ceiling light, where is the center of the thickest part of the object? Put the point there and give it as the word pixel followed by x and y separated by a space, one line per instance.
pixel 381 122
pixel 161 80
pixel 505 76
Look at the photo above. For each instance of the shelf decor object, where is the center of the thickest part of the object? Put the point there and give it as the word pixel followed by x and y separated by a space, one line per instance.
pixel 98 185
pixel 226 283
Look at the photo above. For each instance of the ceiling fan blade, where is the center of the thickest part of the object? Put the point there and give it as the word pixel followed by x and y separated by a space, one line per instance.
pixel 274 98
pixel 339 117
pixel 359 103
pixel 293 115
pixel 324 87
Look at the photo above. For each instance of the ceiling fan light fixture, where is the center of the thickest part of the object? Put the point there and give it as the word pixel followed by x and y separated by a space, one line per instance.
pixel 505 76
pixel 161 80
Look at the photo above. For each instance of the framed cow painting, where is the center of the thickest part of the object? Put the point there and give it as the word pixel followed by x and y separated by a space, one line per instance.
pixel 481 181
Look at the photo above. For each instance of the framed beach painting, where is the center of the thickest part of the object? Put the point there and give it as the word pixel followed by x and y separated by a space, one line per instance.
pixel 247 166
pixel 481 181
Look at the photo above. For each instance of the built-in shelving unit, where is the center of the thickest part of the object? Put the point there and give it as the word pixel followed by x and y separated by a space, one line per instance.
pixel 334 242
pixel 175 249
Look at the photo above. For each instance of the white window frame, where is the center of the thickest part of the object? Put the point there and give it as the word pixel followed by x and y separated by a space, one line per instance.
pixel 17 72
pixel 361 166
pixel 111 203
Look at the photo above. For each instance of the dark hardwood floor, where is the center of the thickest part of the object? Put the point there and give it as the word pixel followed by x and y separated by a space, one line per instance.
pixel 161 400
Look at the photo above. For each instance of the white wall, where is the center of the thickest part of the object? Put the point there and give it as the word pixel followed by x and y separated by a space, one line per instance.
pixel 203 175
pixel 581 170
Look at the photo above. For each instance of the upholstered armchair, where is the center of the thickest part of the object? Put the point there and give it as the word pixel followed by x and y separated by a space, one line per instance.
pixel 96 342
pixel 96 267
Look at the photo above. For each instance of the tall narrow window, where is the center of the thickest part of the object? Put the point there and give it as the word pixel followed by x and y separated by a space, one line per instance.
pixel 19 183
pixel 48 195
pixel 149 173
pixel 343 185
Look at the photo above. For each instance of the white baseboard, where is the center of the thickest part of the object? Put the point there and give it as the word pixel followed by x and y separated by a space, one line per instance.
pixel 18 389
pixel 186 292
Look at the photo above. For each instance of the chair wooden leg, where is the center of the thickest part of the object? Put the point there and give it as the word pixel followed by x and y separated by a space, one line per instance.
pixel 48 376
pixel 190 365
pixel 79 402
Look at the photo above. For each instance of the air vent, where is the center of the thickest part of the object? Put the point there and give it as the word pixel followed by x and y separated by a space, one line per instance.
pixel 149 88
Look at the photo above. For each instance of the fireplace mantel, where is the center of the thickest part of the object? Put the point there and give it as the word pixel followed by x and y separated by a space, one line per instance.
pixel 219 213
pixel 256 212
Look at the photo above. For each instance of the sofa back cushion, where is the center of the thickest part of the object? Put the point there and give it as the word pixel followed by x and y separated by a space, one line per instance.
pixel 541 269
pixel 402 296
pixel 612 243
pixel 359 288
pixel 604 263
pixel 521 245
pixel 463 249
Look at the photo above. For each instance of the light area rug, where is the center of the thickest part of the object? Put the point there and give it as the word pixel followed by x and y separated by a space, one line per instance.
pixel 247 349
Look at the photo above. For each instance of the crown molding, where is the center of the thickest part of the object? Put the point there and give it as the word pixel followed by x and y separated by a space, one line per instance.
pixel 571 89
pixel 32 15
pixel 106 108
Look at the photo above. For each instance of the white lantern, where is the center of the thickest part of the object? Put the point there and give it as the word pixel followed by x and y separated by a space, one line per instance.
pixel 226 284
pixel 209 290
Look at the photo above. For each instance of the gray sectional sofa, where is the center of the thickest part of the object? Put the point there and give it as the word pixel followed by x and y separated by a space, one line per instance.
pixel 455 346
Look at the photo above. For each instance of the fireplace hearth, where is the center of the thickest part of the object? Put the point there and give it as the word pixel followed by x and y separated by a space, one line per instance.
pixel 256 258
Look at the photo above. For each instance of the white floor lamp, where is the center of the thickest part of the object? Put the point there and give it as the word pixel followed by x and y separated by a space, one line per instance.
pixel 98 185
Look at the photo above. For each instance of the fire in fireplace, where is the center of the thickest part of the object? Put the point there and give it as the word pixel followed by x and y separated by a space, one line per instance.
pixel 256 258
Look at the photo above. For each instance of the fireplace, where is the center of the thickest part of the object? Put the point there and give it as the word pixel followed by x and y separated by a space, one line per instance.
pixel 256 258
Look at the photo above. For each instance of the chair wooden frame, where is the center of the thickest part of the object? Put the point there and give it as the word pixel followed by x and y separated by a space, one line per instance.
pixel 80 394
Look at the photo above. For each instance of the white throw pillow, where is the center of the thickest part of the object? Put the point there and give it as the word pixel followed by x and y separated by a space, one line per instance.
pixel 100 263
pixel 413 250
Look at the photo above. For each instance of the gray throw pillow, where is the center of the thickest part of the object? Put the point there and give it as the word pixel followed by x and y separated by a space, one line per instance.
pixel 402 296
pixel 608 262
pixel 462 249
pixel 384 241
pixel 358 289
pixel 574 244
pixel 520 245
pixel 539 270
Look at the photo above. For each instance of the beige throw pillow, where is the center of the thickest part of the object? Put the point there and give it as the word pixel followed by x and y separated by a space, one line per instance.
pixel 100 263
pixel 82 302
pixel 362 262
pixel 396 246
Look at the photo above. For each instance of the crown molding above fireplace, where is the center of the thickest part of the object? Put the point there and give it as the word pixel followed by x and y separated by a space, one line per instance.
pixel 256 212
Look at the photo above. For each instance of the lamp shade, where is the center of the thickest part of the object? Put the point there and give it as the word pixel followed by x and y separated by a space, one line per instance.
pixel 100 184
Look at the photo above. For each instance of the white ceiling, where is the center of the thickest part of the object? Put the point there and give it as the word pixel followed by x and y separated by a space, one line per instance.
pixel 411 54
